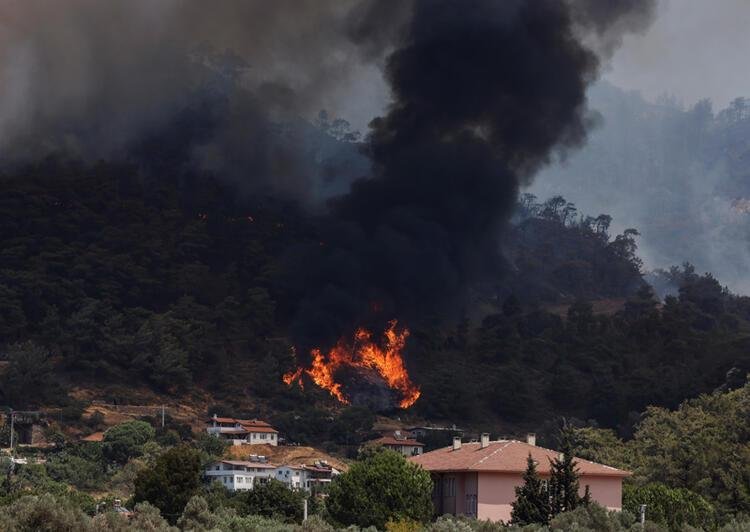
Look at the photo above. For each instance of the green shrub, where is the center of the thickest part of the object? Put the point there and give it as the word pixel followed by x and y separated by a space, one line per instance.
pixel 174 478
pixel 382 486
pixel 79 472
pixel 670 507
pixel 125 441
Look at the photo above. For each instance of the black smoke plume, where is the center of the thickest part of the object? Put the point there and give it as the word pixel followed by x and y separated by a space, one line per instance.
pixel 484 94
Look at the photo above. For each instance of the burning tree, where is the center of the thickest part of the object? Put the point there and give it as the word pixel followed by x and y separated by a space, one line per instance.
pixel 362 354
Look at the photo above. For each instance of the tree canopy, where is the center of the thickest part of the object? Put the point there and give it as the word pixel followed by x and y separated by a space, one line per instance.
pixel 381 487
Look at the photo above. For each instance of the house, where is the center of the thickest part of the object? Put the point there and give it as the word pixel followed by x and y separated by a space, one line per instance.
pixel 478 479
pixel 293 476
pixel 245 475
pixel 308 477
pixel 319 476
pixel 422 431
pixel 398 442
pixel 239 475
pixel 242 431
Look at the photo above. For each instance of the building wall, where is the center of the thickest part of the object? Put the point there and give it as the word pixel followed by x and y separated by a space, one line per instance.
pixel 406 450
pixel 496 493
pixel 607 491
pixel 259 438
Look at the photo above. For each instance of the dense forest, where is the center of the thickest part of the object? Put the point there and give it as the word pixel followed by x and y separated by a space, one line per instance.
pixel 678 173
pixel 109 276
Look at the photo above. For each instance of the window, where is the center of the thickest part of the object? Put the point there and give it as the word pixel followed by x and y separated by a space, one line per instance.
pixel 449 487
pixel 471 505
pixel 218 468
pixel 262 436
pixel 240 480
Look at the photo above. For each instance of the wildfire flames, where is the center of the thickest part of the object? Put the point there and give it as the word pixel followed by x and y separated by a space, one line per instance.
pixel 362 353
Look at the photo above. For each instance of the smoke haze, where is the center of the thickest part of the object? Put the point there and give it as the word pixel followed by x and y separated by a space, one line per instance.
pixel 677 175
pixel 94 79
pixel 483 95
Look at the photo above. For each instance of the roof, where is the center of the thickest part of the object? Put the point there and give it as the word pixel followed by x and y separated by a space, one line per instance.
pixel 390 440
pixel 253 423
pixel 504 456
pixel 250 425
pixel 316 469
pixel 242 463
pixel 96 436
pixel 260 429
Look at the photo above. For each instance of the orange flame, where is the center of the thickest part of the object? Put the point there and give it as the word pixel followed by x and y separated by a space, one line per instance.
pixel 365 353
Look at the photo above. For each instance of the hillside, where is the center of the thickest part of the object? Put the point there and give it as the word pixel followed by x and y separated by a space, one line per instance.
pixel 109 277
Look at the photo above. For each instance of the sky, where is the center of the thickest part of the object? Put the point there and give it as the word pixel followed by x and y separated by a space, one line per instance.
pixel 694 49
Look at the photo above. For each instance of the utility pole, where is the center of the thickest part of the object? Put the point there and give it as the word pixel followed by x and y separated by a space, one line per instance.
pixel 643 514
pixel 162 416
pixel 12 417
pixel 304 509
pixel 12 452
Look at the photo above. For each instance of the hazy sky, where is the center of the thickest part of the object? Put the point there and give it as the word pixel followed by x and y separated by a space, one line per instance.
pixel 694 49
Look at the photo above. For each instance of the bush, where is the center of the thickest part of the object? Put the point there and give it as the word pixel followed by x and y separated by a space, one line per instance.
pixel 43 513
pixel 80 472
pixel 125 441
pixel 171 482
pixel 671 507
pixel 594 518
pixel 211 445
pixel 271 499
pixel 380 488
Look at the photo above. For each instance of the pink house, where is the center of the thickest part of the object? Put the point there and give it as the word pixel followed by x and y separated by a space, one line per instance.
pixel 478 479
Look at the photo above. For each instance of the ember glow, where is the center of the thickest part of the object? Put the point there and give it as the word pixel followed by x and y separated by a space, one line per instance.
pixel 364 353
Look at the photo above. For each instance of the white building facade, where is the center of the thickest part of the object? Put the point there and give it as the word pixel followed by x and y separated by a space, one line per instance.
pixel 236 475
pixel 242 431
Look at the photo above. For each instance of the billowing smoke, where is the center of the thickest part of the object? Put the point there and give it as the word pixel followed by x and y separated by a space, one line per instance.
pixel 484 94
pixel 176 82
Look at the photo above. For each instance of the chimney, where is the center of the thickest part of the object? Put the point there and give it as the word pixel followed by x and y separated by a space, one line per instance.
pixel 456 443
pixel 485 440
pixel 531 439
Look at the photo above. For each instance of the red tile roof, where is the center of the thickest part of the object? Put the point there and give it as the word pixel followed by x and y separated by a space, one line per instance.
pixel 390 440
pixel 504 456
pixel 249 425
pixel 222 420
pixel 260 429
pixel 96 436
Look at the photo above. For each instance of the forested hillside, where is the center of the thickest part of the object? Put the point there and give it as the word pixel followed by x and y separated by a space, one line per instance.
pixel 679 174
pixel 108 276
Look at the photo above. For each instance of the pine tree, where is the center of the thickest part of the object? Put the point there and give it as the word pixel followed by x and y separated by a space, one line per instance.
pixel 563 484
pixel 532 500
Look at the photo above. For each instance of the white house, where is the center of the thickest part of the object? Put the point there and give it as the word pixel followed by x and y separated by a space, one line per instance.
pixel 239 475
pixel 294 477
pixel 400 443
pixel 242 431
